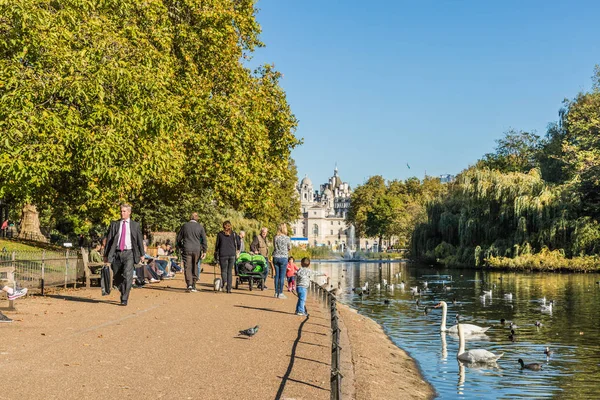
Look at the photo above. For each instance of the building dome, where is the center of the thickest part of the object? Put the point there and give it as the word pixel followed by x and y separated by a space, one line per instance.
pixel 327 193
pixel 306 181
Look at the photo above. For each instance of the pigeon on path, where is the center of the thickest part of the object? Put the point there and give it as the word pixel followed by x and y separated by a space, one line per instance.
pixel 249 332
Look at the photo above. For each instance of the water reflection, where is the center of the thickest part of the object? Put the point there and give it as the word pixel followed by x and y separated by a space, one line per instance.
pixel 571 330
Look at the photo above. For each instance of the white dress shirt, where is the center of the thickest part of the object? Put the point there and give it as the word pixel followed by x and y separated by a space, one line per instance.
pixel 128 237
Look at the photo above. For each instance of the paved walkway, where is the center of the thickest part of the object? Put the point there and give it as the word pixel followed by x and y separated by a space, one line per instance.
pixel 166 344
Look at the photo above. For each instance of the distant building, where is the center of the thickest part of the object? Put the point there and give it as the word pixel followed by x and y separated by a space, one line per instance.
pixel 323 212
pixel 447 178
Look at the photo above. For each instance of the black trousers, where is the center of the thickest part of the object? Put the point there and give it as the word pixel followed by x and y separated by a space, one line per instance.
pixel 122 267
pixel 226 264
pixel 190 266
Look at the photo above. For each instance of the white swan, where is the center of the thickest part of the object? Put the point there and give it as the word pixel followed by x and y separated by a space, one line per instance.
pixel 473 356
pixel 377 286
pixel 468 329
pixel 487 292
pixel 508 296
pixel 548 308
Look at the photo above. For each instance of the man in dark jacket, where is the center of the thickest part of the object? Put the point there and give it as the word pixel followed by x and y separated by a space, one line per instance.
pixel 124 247
pixel 191 239
pixel 260 246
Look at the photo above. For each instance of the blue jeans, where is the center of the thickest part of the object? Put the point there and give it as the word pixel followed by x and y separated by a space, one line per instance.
pixel 280 269
pixel 300 306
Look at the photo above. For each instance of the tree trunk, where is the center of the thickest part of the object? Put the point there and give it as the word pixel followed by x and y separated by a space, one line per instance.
pixel 379 247
pixel 30 224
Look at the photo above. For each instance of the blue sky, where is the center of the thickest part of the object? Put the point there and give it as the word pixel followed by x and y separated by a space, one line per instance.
pixel 379 84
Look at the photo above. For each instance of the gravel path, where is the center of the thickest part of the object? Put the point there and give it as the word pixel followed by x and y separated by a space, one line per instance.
pixel 166 344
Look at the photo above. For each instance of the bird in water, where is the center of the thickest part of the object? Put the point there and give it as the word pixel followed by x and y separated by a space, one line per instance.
pixel 538 324
pixel 532 366
pixel 548 352
pixel 548 308
pixel 401 285
pixel 508 296
pixel 457 318
pixel 487 292
pixel 386 301
pixel 476 355
pixel 512 325
pixel 426 310
pixel 513 336
pixel 502 321
pixel 454 301
pixel 468 329
pixel 250 331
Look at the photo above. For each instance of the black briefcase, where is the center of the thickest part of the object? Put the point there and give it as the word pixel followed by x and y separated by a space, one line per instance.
pixel 105 280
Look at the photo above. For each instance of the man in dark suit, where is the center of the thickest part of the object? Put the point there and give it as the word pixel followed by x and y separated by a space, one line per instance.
pixel 191 240
pixel 124 247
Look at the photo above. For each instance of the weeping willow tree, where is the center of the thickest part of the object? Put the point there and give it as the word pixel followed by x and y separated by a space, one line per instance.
pixel 488 213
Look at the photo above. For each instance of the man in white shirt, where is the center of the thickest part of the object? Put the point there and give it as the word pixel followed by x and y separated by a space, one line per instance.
pixel 124 247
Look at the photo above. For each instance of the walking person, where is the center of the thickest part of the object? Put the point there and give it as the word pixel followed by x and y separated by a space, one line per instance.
pixel 191 239
pixel 291 274
pixel 227 248
pixel 302 285
pixel 242 236
pixel 281 247
pixel 260 246
pixel 124 247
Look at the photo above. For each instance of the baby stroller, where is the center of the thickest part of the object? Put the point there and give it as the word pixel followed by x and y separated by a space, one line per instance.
pixel 252 269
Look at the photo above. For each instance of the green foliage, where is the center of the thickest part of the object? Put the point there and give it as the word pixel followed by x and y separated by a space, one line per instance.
pixel 504 214
pixel 444 250
pixel 546 260
pixel 515 152
pixel 312 252
pixel 393 209
pixel 109 101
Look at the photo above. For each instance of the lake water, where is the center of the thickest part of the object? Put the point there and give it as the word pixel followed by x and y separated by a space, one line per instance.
pixel 571 329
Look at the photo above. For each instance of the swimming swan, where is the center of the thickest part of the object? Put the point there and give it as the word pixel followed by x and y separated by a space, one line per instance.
pixel 468 329
pixel 473 356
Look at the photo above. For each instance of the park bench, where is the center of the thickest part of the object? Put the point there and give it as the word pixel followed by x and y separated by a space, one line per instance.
pixel 7 278
pixel 91 270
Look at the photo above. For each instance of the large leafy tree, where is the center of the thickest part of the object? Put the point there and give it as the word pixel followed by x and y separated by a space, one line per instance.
pixel 515 152
pixel 581 146
pixel 393 209
pixel 105 101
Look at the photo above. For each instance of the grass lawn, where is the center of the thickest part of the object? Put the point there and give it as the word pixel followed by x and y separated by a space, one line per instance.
pixel 15 246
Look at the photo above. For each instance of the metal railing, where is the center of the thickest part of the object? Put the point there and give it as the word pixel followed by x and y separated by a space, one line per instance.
pixel 330 302
pixel 40 269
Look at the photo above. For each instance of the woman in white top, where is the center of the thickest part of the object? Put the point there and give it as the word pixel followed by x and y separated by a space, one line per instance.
pixel 281 247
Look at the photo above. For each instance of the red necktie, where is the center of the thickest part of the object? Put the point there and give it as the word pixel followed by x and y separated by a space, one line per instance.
pixel 122 239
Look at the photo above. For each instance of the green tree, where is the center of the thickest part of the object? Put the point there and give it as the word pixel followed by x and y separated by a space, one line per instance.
pixel 515 152
pixel 106 101
pixel 581 146
pixel 382 217
pixel 363 198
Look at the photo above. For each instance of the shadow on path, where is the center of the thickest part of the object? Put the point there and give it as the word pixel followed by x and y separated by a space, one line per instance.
pixel 80 299
pixel 266 309
pixel 310 359
pixel 286 377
